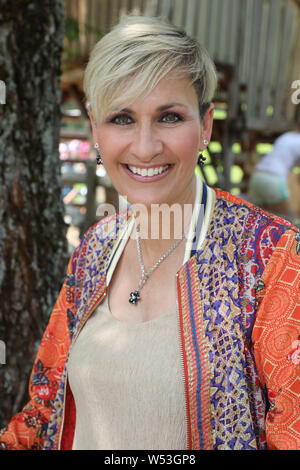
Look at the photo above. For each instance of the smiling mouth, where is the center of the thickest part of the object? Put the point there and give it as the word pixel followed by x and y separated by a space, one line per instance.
pixel 148 171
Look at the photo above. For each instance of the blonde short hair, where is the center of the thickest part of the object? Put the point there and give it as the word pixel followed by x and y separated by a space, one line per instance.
pixel 129 61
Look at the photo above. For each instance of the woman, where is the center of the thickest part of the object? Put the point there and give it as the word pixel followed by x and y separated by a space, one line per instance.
pixel 181 341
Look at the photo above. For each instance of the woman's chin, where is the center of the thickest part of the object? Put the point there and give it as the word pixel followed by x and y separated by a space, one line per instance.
pixel 146 203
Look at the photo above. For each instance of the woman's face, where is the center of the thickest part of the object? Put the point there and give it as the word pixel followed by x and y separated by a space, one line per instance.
pixel 150 148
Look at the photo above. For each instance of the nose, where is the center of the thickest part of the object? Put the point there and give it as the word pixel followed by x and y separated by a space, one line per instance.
pixel 146 143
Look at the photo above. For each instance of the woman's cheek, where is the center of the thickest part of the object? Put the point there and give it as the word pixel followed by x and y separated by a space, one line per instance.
pixel 188 144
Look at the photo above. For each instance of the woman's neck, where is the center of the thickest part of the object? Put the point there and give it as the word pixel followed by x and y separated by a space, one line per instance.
pixel 161 225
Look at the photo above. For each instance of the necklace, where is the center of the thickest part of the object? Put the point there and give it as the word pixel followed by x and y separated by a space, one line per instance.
pixel 135 295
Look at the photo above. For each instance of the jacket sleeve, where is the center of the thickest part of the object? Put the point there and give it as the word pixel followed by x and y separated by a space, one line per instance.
pixel 27 429
pixel 276 338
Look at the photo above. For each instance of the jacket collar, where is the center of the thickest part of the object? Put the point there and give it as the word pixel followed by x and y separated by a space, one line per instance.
pixel 198 228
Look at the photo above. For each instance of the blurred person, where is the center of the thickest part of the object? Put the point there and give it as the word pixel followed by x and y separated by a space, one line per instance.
pixel 184 341
pixel 268 185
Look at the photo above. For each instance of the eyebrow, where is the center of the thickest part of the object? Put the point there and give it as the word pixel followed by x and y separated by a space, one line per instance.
pixel 160 108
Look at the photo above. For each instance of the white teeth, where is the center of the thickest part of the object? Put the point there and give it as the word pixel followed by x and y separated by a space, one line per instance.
pixel 150 172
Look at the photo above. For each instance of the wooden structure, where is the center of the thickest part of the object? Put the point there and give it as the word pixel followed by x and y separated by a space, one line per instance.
pixel 254 43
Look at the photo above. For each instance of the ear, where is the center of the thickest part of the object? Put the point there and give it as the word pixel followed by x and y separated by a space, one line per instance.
pixel 207 124
pixel 93 124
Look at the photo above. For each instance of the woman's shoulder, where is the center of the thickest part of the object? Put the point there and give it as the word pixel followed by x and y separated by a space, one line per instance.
pixel 250 212
pixel 255 233
pixel 108 228
pixel 99 240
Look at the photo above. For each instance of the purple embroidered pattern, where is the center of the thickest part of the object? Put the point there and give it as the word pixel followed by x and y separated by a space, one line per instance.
pixel 239 245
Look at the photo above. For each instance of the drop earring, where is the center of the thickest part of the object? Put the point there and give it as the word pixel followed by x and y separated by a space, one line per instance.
pixel 98 156
pixel 201 158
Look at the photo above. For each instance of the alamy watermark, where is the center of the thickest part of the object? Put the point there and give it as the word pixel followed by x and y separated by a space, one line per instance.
pixel 154 221
pixel 2 352
pixel 2 92
pixel 296 95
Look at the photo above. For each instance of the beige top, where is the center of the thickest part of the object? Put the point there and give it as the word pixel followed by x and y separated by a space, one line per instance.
pixel 127 382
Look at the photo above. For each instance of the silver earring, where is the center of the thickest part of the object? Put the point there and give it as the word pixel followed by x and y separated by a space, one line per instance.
pixel 201 158
pixel 98 156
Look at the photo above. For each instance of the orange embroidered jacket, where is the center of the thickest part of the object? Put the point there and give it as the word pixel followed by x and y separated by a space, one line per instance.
pixel 239 314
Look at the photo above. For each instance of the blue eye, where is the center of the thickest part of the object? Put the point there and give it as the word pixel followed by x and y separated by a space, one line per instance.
pixel 121 120
pixel 171 118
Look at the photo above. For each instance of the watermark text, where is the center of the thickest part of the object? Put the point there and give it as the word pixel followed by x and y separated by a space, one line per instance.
pixel 155 221
pixel 296 95
pixel 2 352
pixel 2 92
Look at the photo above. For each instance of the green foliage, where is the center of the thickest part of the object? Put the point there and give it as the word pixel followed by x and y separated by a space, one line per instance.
pixel 72 29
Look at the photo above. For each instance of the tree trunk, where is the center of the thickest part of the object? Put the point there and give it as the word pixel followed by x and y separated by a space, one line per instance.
pixel 33 245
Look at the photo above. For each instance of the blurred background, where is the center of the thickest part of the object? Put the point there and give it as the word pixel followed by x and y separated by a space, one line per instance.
pixel 50 185
pixel 256 48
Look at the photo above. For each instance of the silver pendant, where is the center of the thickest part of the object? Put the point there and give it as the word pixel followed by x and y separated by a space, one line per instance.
pixel 134 297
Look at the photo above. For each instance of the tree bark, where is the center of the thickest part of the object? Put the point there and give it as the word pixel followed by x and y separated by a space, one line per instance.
pixel 33 247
